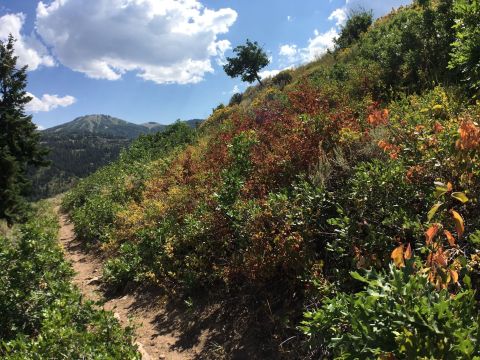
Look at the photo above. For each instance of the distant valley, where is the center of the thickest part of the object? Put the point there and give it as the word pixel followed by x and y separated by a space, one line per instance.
pixel 79 147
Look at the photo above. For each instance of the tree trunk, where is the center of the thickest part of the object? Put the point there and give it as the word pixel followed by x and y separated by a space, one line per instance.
pixel 258 79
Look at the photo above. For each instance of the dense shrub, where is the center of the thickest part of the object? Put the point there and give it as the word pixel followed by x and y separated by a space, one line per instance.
pixel 466 49
pixel 411 47
pixel 399 315
pixel 42 316
pixel 235 99
pixel 120 270
pixel 378 206
pixel 357 24
pixel 282 79
pixel 96 200
pixel 370 153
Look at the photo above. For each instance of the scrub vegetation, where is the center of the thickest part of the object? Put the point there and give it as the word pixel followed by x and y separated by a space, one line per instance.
pixel 333 210
pixel 42 315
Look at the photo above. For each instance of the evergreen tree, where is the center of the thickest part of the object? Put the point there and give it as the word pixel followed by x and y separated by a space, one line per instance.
pixel 19 139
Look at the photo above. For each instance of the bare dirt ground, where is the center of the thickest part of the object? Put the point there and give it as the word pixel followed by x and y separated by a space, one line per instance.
pixel 160 330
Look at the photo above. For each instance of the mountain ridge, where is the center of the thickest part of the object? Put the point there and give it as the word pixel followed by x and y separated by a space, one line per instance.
pixel 81 146
pixel 107 125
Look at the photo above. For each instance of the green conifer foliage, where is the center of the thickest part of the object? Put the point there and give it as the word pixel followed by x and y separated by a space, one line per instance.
pixel 19 140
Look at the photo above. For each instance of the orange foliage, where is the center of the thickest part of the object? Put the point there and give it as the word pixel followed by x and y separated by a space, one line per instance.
pixel 414 172
pixel 306 99
pixel 469 136
pixel 392 150
pixel 378 117
pixel 437 127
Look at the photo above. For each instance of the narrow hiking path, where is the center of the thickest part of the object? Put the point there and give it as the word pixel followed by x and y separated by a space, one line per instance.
pixel 147 312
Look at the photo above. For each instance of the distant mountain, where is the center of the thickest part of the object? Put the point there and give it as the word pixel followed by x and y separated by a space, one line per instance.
pixel 154 126
pixel 194 122
pixel 81 146
pixel 100 125
pixel 107 125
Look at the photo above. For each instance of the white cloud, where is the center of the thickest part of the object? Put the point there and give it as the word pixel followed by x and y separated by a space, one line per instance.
pixel 340 15
pixel 40 127
pixel 165 41
pixel 48 102
pixel 238 88
pixel 289 18
pixel 268 73
pixel 271 73
pixel 289 51
pixel 317 46
pixel 29 49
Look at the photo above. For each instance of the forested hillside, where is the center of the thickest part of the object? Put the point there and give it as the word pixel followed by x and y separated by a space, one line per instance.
pixel 83 145
pixel 331 212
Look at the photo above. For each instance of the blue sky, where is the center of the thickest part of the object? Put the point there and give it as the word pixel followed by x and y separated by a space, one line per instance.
pixel 158 60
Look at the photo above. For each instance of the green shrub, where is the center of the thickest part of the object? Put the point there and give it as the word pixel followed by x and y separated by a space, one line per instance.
pixel 411 47
pixel 94 219
pixel 235 99
pixel 42 315
pixel 32 272
pixel 466 49
pixel 118 271
pixel 95 201
pixel 234 176
pixel 377 206
pixel 357 24
pixel 282 79
pixel 399 315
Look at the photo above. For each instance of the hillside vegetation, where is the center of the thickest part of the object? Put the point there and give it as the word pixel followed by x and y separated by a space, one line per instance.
pixel 83 145
pixel 42 314
pixel 333 210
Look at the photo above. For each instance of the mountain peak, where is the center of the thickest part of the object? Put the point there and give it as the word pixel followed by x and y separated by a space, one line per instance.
pixel 100 124
pixel 107 125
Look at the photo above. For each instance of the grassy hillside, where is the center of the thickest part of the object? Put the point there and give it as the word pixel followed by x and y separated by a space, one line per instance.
pixel 333 211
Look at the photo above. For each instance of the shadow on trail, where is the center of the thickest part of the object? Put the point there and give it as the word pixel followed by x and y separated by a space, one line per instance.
pixel 236 328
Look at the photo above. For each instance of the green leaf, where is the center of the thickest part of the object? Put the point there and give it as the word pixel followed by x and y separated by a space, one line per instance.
pixel 358 277
pixel 475 237
pixel 440 189
pixel 460 196
pixel 433 210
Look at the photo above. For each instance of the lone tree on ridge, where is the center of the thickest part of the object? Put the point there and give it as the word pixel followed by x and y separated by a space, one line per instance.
pixel 249 61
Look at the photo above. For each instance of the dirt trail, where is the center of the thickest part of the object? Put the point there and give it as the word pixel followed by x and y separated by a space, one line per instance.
pixel 147 313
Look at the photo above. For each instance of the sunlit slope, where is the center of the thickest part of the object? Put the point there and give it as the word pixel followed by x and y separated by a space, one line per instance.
pixel 365 160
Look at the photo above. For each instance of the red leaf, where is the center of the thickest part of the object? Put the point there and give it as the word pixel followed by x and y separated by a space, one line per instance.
pixel 408 252
pixel 397 256
pixel 430 233
pixel 450 238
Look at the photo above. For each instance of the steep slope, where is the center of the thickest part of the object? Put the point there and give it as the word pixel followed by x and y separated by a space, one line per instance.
pixel 332 213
